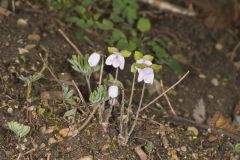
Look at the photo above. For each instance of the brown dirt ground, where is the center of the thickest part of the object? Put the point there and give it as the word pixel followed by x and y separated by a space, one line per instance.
pixel 188 37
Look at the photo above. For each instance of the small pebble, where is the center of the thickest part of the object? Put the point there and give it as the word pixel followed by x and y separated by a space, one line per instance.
pixel 10 110
pixel 184 148
pixel 215 82
pixel 202 76
pixel 34 37
pixel 218 46
pixel 210 96
pixel 22 22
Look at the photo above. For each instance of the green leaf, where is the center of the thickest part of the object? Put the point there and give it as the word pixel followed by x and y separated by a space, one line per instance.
pixel 174 65
pixel 40 110
pixel 87 3
pixel 149 57
pixel 133 68
pixel 19 129
pixel 144 24
pixel 112 49
pixel 70 114
pixel 105 25
pixel 68 95
pixel 126 53
pixel 80 9
pixel 80 64
pixel 138 55
pixel 100 94
pixel 156 67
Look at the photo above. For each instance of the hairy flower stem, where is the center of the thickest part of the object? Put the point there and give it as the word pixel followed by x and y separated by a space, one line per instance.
pixel 116 74
pixel 88 83
pixel 29 90
pixel 138 111
pixel 101 71
pixel 121 114
pixel 129 109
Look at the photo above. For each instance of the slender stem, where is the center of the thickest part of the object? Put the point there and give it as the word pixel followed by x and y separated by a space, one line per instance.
pixel 29 90
pixel 100 112
pixel 122 113
pixel 175 84
pixel 109 114
pixel 88 83
pixel 116 74
pixel 132 91
pixel 130 104
pixel 101 71
pixel 138 111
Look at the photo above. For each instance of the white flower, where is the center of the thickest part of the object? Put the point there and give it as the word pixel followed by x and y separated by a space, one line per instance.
pixel 116 60
pixel 94 59
pixel 113 91
pixel 146 75
pixel 144 60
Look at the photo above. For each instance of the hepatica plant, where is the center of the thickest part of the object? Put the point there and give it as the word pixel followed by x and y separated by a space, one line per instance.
pixel 106 96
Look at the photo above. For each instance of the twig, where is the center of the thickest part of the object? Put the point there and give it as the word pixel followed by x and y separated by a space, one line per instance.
pixel 162 5
pixel 167 99
pixel 79 94
pixel 175 84
pixel 70 42
pixel 88 119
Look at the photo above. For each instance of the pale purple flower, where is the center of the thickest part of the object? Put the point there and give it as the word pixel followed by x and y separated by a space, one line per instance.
pixel 116 60
pixel 146 75
pixel 144 60
pixel 94 59
pixel 113 91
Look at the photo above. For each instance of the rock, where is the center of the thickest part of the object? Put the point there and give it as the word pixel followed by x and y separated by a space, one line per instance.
pixel 34 37
pixel 218 46
pixel 215 82
pixel 52 140
pixel 86 158
pixel 184 148
pixel 202 76
pixel 22 22
pixel 64 132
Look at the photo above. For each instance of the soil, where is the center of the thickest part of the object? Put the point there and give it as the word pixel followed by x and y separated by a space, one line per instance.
pixel 214 77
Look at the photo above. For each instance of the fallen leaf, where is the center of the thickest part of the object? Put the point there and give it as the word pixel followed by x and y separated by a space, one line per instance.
pixel 199 112
pixel 212 138
pixel 221 122
pixel 165 141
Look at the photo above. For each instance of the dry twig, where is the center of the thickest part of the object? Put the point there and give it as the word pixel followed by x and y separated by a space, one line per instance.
pixel 70 42
pixel 162 5
pixel 174 85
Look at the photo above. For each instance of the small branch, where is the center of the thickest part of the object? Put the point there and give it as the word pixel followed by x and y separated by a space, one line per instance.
pixel 162 5
pixel 80 96
pixel 88 119
pixel 174 85
pixel 70 42
pixel 167 99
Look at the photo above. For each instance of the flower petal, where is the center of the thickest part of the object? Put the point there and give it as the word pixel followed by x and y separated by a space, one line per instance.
pixel 140 75
pixel 113 91
pixel 94 59
pixel 110 59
